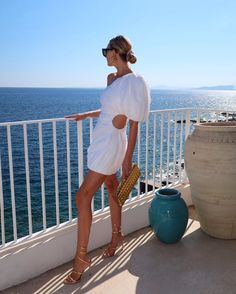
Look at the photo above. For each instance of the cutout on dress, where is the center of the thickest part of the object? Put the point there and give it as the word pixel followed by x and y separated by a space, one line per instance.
pixel 119 121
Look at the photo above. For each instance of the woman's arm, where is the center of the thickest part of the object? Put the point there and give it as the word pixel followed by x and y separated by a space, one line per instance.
pixel 83 115
pixel 127 163
pixel 93 113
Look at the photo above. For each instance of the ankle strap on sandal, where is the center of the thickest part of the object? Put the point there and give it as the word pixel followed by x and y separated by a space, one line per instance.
pixel 82 250
pixel 116 229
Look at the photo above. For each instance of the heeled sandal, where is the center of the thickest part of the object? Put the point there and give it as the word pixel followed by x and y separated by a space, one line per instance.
pixel 110 250
pixel 69 279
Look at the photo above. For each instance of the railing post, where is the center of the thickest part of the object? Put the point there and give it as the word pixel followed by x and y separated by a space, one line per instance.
pixel 161 146
pixel 56 172
pixel 80 151
pixel 181 147
pixel 187 124
pixel 13 203
pixel 187 131
pixel 139 156
pixel 90 140
pixel 68 168
pixel 154 152
pixel 146 159
pixel 174 148
pixel 27 179
pixel 168 150
pixel 2 204
pixel 42 175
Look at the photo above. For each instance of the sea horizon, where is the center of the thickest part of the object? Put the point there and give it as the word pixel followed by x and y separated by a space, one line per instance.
pixel 169 88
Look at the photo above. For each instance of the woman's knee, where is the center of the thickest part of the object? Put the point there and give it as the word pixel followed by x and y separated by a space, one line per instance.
pixel 111 184
pixel 82 198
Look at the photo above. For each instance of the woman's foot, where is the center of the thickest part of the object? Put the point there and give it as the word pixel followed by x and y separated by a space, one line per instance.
pixel 81 262
pixel 116 242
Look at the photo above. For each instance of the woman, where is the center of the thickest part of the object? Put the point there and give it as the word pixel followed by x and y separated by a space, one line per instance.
pixel 126 96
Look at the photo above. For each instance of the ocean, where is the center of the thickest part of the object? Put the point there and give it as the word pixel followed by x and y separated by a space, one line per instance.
pixel 20 104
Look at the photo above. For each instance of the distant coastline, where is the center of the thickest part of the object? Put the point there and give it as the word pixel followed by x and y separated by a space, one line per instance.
pixel 170 88
pixel 218 87
pixel 224 87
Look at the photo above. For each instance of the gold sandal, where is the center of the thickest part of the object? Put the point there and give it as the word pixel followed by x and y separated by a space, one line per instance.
pixel 110 250
pixel 69 279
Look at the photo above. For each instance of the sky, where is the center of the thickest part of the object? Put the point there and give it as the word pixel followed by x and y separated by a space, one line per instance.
pixel 57 43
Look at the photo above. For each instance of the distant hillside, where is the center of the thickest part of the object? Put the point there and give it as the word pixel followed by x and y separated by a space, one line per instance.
pixel 225 87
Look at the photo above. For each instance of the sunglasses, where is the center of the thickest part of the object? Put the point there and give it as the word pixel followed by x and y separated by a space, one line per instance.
pixel 105 50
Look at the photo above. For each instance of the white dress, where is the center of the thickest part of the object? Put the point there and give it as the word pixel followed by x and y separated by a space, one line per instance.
pixel 128 95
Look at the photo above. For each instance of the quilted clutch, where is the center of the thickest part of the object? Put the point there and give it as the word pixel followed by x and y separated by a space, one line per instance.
pixel 126 185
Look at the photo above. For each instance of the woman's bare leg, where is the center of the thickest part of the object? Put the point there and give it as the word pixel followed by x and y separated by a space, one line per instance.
pixel 112 184
pixel 84 196
pixel 115 210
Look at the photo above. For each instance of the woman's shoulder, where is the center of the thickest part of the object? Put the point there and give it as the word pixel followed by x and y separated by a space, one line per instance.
pixel 134 76
pixel 138 80
pixel 110 78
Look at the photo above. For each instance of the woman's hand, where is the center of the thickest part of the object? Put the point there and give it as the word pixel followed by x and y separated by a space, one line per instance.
pixel 77 116
pixel 126 167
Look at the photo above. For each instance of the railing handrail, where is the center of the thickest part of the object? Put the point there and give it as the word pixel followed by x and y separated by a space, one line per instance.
pixel 151 111
pixel 191 109
pixel 22 122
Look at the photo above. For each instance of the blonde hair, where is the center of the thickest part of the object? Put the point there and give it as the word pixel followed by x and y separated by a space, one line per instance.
pixel 123 46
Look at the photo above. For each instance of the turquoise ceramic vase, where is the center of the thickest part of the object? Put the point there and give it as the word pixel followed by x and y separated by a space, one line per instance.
pixel 168 215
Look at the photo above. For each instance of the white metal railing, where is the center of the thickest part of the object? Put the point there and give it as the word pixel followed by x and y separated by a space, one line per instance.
pixel 159 153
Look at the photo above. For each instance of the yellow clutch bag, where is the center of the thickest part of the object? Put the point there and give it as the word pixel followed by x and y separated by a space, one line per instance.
pixel 126 185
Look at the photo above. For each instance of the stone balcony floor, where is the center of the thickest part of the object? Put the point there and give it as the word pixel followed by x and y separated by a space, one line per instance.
pixel 198 264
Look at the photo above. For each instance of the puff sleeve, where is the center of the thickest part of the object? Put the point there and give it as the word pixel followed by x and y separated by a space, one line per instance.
pixel 136 99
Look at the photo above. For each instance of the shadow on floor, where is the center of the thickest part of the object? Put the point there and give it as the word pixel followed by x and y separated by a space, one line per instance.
pixel 197 264
pixel 101 271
